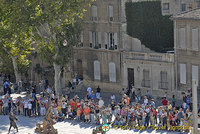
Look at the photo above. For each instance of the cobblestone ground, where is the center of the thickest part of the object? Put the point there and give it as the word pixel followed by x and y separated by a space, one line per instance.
pixel 27 126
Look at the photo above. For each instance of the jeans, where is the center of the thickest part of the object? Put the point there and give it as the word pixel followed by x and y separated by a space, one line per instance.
pixel 25 111
pixel 78 118
pixel 92 118
pixel 147 121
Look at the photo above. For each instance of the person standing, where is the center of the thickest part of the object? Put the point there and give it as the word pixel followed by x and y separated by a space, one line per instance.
pixel 89 90
pixel 29 108
pixel 1 105
pixel 139 94
pixel 173 101
pixel 25 107
pixel 6 86
pixel 98 92
pixel 12 122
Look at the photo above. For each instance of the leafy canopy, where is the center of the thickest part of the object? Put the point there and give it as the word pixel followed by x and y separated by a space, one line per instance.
pixel 15 31
pixel 56 22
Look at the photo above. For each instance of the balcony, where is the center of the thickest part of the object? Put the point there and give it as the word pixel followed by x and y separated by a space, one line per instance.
pixel 149 56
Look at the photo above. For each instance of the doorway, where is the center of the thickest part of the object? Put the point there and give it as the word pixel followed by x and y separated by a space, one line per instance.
pixel 131 77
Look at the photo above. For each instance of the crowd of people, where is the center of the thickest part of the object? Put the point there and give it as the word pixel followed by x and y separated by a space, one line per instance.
pixel 132 110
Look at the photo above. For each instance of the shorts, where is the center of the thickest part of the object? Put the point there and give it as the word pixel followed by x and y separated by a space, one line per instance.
pixel 87 116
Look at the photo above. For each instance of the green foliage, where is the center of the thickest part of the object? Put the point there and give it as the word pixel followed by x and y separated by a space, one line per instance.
pixel 145 22
pixel 5 63
pixel 16 32
pixel 56 22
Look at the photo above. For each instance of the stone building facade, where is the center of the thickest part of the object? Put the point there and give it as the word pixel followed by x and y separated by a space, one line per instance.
pixel 187 55
pixel 110 58
pixel 173 7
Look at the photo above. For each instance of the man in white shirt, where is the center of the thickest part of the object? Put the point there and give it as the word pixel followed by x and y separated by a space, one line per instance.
pixel 25 106
pixel 101 103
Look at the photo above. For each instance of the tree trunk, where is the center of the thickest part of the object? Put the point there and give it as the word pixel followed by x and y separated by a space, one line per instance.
pixel 57 79
pixel 17 74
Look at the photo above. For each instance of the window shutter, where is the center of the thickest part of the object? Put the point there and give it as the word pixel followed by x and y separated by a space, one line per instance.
pixel 110 10
pixel 195 74
pixel 183 73
pixel 195 42
pixel 99 37
pixel 97 70
pixel 115 39
pixel 106 38
pixel 94 11
pixel 112 72
pixel 182 38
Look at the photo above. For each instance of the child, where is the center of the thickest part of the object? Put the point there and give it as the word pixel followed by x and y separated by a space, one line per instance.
pixel 78 114
pixel 69 112
pixel 29 108
pixel 87 113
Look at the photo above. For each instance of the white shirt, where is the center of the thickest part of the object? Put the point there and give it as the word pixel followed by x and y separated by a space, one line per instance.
pixel 145 101
pixel 29 106
pixel 25 104
pixel 112 97
pixel 48 90
pixel 101 103
pixel 64 105
pixel 89 89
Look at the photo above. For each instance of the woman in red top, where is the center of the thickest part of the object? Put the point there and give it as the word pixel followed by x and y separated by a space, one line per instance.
pixel 170 118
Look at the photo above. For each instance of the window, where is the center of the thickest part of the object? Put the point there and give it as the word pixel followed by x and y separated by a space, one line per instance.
pixel 106 40
pixel 99 39
pixel 146 78
pixel 110 12
pixel 112 72
pixel 195 74
pixel 195 40
pixel 163 78
pixel 94 13
pixel 111 41
pixel 182 38
pixel 183 7
pixel 165 6
pixel 93 38
pixel 198 4
pixel 97 70
pixel 183 73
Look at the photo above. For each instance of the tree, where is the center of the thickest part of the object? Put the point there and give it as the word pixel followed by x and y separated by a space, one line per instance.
pixel 58 24
pixel 145 22
pixel 16 33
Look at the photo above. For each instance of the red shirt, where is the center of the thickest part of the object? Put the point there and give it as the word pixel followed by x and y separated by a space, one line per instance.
pixel 164 102
pixel 1 103
pixel 170 117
